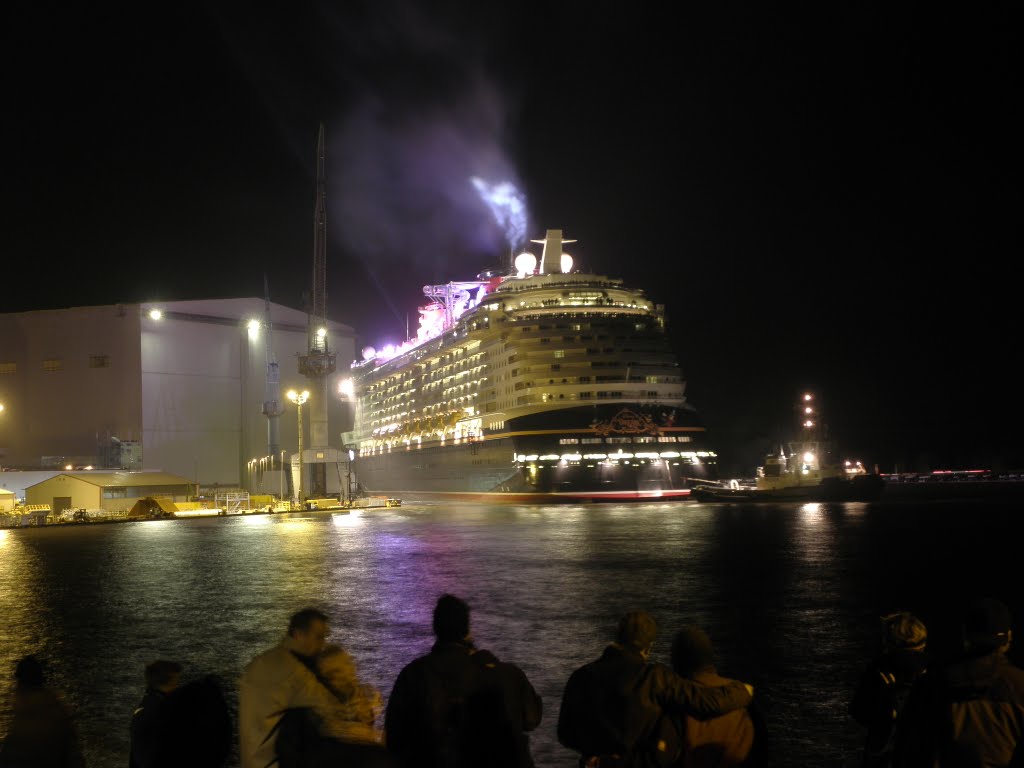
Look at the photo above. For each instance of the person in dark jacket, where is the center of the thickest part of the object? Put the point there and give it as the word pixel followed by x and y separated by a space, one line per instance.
pixel 736 738
pixel 886 685
pixel 614 709
pixel 41 732
pixel 458 707
pixel 969 713
pixel 148 719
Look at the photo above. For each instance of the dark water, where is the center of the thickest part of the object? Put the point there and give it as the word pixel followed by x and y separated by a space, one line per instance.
pixel 790 594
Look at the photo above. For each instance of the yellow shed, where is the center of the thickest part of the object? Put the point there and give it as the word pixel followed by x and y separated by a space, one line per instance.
pixel 112 491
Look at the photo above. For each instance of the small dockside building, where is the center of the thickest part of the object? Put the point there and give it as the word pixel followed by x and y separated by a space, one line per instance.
pixel 108 491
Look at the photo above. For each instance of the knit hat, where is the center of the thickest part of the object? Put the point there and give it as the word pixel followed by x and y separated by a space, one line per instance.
pixel 637 630
pixel 904 630
pixel 987 623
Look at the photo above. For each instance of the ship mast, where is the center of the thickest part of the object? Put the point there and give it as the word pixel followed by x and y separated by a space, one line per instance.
pixel 319 362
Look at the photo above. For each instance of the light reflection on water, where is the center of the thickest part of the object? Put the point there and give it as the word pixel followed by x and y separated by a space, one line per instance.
pixel 790 594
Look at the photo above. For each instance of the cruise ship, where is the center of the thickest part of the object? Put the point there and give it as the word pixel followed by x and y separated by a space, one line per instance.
pixel 544 384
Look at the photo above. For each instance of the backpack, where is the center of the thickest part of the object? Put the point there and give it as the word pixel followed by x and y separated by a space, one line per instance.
pixel 892 698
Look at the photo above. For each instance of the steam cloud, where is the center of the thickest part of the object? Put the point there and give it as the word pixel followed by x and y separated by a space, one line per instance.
pixel 424 122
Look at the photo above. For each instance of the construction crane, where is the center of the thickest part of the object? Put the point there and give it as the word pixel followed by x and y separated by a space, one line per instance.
pixel 271 405
pixel 319 362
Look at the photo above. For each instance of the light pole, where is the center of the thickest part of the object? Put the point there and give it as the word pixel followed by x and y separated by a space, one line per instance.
pixel 282 475
pixel 299 398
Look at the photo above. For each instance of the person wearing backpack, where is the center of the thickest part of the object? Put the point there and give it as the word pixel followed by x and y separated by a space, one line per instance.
pixel 969 712
pixel 886 684
pixel 458 707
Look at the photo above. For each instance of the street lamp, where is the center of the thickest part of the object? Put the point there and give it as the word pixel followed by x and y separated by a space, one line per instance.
pixel 282 475
pixel 299 398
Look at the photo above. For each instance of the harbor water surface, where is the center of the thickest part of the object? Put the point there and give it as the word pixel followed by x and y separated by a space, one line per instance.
pixel 790 594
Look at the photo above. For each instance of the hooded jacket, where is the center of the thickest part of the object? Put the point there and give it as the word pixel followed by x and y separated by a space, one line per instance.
pixel 969 714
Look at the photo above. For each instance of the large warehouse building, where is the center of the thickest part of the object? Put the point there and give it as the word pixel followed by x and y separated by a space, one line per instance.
pixel 177 387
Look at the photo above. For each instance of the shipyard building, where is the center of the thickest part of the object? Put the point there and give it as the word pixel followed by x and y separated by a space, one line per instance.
pixel 177 387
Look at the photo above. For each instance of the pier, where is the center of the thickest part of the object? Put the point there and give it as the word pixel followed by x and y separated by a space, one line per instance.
pixel 40 515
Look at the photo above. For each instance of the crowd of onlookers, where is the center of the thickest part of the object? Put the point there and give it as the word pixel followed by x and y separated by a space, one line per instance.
pixel 301 704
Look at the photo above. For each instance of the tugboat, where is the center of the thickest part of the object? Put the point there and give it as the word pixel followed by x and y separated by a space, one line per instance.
pixel 802 470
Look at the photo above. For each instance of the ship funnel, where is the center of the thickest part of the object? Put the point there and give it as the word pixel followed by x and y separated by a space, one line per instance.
pixel 551 260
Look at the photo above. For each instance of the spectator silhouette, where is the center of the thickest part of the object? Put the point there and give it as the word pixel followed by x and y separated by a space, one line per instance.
pixel 147 723
pixel 41 732
pixel 177 725
pixel 290 717
pixel 886 684
pixel 736 738
pixel 458 707
pixel 617 710
pixel 971 711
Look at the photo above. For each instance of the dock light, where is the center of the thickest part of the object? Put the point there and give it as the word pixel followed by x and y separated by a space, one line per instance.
pixel 808 424
pixel 1 407
pixel 807 397
pixel 808 457
pixel 808 410
pixel 253 327
pixel 346 388
pixel 155 314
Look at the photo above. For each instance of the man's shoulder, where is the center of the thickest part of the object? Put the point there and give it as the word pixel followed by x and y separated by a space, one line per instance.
pixel 273 661
pixel 1012 678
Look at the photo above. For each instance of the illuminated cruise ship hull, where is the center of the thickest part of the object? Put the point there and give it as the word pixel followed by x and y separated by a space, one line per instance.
pixel 547 385
pixel 588 453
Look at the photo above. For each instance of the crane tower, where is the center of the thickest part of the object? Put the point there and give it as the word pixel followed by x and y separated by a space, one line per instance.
pixel 319 362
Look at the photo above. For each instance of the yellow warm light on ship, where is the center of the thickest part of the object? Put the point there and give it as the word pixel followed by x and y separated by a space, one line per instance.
pixel 68 466
pixel 808 410
pixel 253 328
pixel 155 314
pixel 346 388
pixel 807 397
pixel 808 424
pixel 808 457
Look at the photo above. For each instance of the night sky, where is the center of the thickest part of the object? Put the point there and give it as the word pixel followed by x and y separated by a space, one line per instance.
pixel 820 194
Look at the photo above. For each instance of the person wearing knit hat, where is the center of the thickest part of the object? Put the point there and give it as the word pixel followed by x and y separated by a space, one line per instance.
pixel 969 712
pixel 886 684
pixel 618 710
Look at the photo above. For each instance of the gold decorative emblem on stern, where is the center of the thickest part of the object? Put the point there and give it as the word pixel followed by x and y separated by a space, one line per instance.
pixel 626 422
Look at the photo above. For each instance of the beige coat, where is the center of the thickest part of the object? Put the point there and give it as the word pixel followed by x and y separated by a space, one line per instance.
pixel 273 682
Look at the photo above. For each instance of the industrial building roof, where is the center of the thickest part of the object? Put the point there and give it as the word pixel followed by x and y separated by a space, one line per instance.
pixel 125 479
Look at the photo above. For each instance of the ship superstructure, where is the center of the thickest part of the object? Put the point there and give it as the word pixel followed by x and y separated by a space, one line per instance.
pixel 548 382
